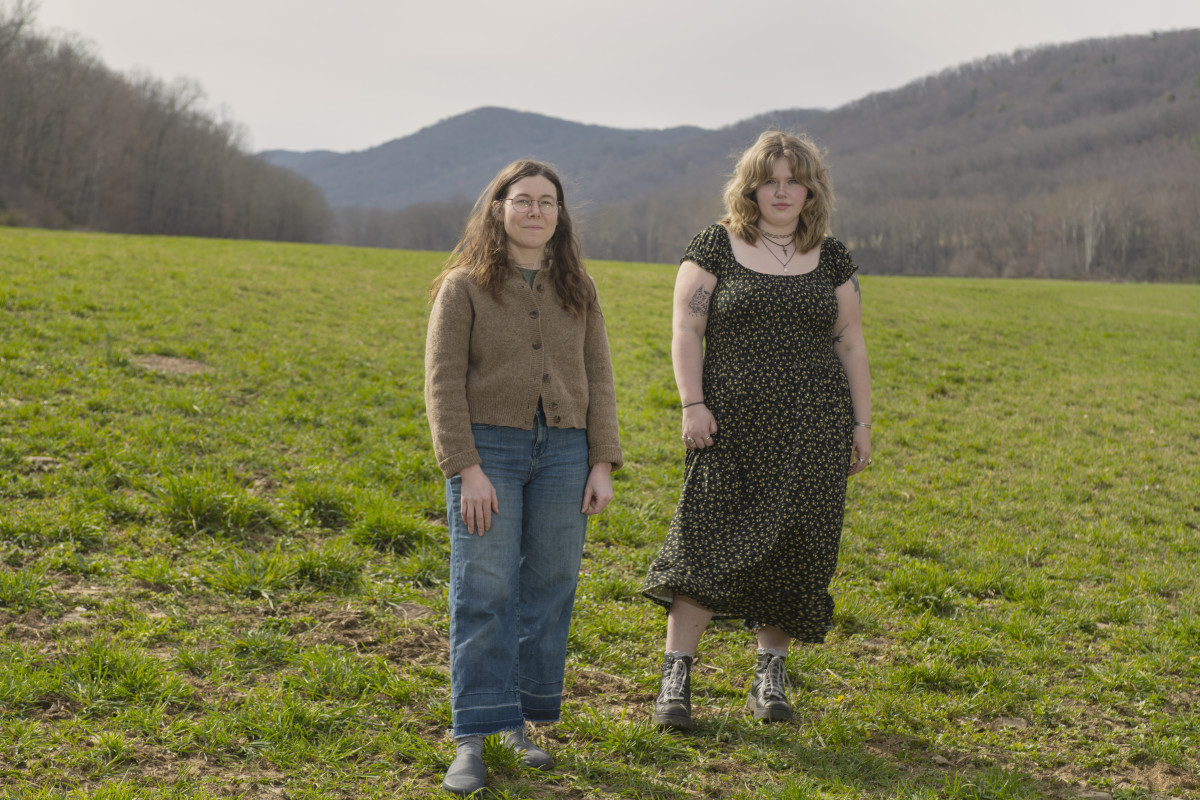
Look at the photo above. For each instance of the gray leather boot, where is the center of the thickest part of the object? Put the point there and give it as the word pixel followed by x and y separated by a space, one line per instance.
pixel 531 755
pixel 467 772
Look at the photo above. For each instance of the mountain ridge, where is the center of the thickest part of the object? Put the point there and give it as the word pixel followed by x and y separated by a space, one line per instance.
pixel 455 157
pixel 1077 159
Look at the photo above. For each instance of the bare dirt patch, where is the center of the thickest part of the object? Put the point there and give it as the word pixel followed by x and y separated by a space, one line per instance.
pixel 424 646
pixel 170 365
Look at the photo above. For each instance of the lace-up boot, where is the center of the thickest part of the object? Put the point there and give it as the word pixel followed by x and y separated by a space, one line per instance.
pixel 768 691
pixel 673 706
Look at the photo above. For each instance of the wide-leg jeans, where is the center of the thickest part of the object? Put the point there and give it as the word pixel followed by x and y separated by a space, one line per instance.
pixel 512 590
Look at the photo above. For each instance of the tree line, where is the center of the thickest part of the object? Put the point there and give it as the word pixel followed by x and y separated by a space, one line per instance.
pixel 84 147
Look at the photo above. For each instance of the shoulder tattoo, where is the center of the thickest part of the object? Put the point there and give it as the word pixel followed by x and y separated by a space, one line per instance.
pixel 857 288
pixel 698 305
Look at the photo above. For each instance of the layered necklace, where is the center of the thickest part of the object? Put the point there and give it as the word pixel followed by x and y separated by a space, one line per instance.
pixel 775 239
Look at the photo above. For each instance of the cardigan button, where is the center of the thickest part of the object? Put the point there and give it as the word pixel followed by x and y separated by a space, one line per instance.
pixel 546 377
pixel 533 315
pixel 537 345
pixel 541 288
pixel 553 406
pixel 557 419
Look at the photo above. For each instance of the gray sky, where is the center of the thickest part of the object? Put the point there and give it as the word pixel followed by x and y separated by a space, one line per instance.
pixel 350 74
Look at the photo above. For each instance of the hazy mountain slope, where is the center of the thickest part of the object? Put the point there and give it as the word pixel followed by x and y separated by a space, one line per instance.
pixel 456 157
pixel 1075 159
pixel 1047 108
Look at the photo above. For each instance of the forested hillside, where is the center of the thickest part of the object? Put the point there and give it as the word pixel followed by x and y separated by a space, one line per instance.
pixel 1081 160
pixel 84 147
pixel 1078 160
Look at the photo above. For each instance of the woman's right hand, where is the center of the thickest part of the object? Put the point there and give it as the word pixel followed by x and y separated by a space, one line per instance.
pixel 479 500
pixel 699 427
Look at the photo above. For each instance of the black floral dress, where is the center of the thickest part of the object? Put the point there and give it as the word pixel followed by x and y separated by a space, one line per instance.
pixel 759 521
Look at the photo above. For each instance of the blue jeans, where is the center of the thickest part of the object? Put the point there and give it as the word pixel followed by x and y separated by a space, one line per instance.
pixel 512 590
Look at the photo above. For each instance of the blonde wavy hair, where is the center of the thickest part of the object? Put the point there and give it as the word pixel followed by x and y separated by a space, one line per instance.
pixel 483 248
pixel 755 167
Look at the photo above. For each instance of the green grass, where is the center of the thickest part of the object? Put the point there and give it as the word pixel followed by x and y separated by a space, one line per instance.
pixel 228 580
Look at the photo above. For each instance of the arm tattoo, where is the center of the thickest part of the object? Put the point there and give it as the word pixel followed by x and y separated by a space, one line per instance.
pixel 837 337
pixel 698 305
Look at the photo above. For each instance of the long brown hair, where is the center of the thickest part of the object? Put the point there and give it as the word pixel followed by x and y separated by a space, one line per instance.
pixel 754 168
pixel 483 248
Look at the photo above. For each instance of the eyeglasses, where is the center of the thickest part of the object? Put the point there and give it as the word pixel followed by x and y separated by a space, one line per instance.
pixel 523 204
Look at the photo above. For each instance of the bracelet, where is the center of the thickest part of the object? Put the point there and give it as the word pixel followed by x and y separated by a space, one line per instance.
pixel 697 403
pixel 866 425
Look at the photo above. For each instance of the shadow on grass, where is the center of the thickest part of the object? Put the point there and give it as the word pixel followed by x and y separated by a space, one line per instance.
pixel 733 756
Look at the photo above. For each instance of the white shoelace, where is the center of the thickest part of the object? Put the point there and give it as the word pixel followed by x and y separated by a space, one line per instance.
pixel 775 679
pixel 675 681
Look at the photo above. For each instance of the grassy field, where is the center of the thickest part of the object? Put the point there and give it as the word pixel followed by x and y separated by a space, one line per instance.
pixel 223 568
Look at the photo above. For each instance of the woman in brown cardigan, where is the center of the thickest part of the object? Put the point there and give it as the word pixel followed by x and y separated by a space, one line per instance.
pixel 519 393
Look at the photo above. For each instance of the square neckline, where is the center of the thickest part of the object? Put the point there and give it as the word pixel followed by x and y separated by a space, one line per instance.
pixel 733 257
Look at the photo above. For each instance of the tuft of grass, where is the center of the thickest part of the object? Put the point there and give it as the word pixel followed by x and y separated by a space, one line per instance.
pixel 49 522
pixel 286 724
pixel 209 503
pixel 204 662
pixel 335 567
pixel 243 573
pixel 924 586
pixel 26 681
pixel 332 673
pixel 628 740
pixel 111 751
pixel 24 742
pixel 384 525
pixel 428 565
pixel 100 674
pixel 158 573
pixel 25 589
pixel 264 647
pixel 323 504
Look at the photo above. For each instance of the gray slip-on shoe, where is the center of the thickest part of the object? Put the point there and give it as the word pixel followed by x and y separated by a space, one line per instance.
pixel 467 773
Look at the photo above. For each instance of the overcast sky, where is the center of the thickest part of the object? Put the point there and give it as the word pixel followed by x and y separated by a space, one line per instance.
pixel 350 74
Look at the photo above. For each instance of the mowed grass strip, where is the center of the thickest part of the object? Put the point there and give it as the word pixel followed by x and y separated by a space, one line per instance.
pixel 223 560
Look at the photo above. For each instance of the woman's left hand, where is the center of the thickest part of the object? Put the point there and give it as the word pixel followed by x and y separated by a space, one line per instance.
pixel 860 454
pixel 599 490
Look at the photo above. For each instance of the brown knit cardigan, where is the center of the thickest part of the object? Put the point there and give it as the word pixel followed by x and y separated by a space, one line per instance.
pixel 488 361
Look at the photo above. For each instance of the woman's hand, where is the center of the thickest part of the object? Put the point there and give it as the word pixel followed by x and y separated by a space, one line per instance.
pixel 860 455
pixel 479 500
pixel 699 426
pixel 598 491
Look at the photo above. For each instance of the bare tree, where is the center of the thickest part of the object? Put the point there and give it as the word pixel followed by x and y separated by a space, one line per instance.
pixel 81 146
